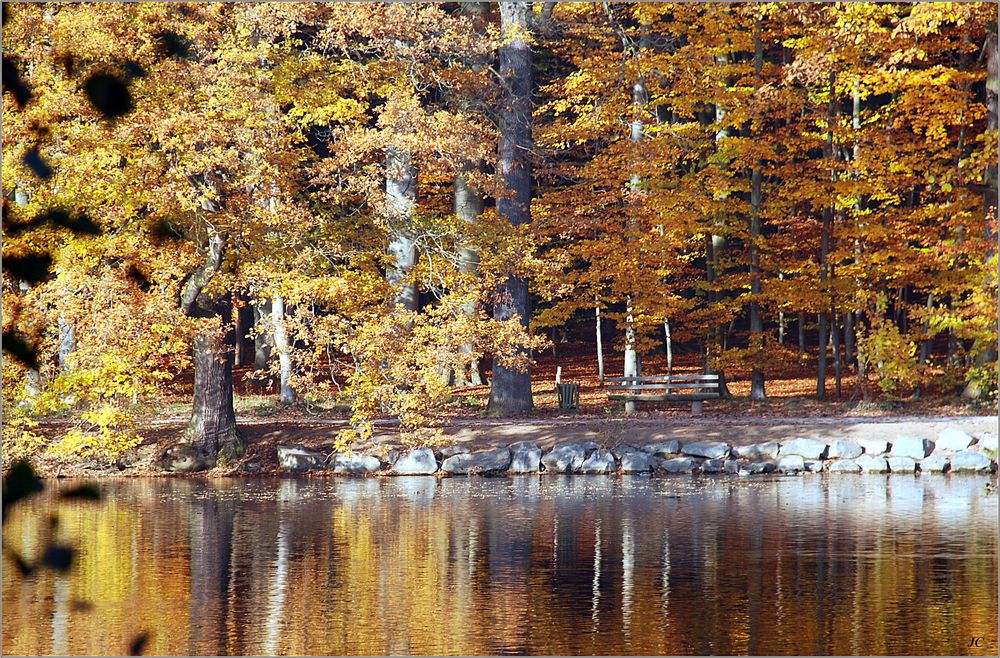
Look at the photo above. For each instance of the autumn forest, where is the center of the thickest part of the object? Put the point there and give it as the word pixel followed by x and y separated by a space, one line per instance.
pixel 388 204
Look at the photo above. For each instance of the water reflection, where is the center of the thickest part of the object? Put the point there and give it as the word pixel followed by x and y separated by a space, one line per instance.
pixel 552 565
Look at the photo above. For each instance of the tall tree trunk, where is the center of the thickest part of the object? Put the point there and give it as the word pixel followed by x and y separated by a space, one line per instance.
pixel 213 420
pixel 636 134
pixel 510 390
pixel 825 251
pixel 286 394
pixel 849 338
pixel 718 242
pixel 756 326
pixel 401 198
pixel 925 344
pixel 212 427
pixel 67 343
pixel 468 204
pixel 262 337
pixel 244 319
pixel 669 346
pixel 837 362
pixel 822 356
pixel 802 332
pixel 600 342
pixel 984 353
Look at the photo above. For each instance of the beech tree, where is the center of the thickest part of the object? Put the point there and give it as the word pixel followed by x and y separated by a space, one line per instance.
pixel 510 390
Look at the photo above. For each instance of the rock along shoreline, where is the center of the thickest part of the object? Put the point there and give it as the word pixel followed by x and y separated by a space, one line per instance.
pixel 951 451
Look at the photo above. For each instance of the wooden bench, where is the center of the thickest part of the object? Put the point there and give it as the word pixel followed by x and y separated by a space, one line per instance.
pixel 661 388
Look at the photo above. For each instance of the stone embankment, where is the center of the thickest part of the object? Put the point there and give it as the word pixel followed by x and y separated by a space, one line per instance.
pixel 952 451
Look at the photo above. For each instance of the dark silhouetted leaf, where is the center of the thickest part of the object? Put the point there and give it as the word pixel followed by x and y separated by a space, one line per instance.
pixel 12 81
pixel 134 70
pixel 20 350
pixel 33 160
pixel 16 229
pixel 78 223
pixel 79 605
pixel 68 63
pixel 59 558
pixel 108 94
pixel 84 491
pixel 19 562
pixel 169 44
pixel 137 276
pixel 138 644
pixel 31 268
pixel 162 230
pixel 21 481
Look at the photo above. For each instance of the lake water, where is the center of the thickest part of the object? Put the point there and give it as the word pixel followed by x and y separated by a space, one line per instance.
pixel 538 565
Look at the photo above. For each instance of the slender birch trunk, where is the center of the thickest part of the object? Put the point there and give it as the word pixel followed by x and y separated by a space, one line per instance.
pixel 287 394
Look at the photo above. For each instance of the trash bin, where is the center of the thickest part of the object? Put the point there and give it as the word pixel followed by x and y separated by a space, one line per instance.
pixel 569 395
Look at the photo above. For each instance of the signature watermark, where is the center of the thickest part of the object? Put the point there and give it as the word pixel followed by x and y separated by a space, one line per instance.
pixel 978 642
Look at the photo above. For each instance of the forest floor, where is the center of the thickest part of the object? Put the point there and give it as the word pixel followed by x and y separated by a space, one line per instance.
pixel 791 410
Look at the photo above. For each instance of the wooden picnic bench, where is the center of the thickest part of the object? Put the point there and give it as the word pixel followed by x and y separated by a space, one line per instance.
pixel 665 388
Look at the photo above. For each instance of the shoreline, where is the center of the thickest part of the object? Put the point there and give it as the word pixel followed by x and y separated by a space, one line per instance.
pixel 312 441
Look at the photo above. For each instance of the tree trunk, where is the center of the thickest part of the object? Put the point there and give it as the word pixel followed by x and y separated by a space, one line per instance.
pixel 849 338
pixel 468 204
pixel 262 338
pixel 802 332
pixel 639 100
pixel 756 326
pixel 213 420
pixel 837 363
pixel 600 344
pixel 670 347
pixel 401 201
pixel 984 353
pixel 825 251
pixel 925 344
pixel 821 358
pixel 286 393
pixel 510 391
pixel 212 428
pixel 781 319
pixel 67 343
pixel 245 346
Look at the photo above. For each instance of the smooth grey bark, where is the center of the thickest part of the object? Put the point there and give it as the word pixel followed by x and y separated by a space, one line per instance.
pixel 287 394
pixel 212 427
pixel 640 97
pixel 756 326
pixel 468 206
pixel 510 390
pixel 669 346
pixel 67 343
pixel 600 342
pixel 401 201
pixel 262 339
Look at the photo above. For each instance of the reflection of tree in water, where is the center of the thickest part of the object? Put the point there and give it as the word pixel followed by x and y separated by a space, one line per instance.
pixel 488 567
pixel 211 544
